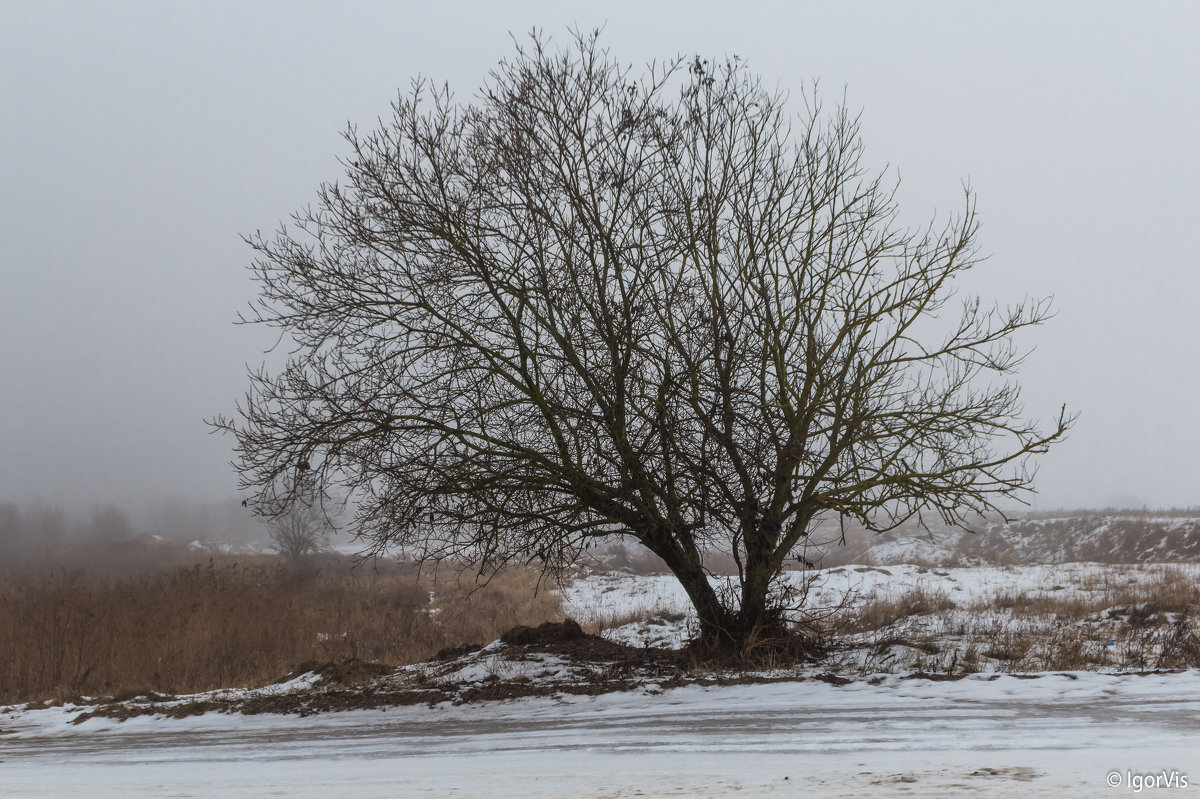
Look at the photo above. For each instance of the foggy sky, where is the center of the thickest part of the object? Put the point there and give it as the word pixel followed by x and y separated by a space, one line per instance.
pixel 139 140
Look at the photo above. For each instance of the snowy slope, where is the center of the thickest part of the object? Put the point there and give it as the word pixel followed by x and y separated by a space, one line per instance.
pixel 654 610
pixel 1098 537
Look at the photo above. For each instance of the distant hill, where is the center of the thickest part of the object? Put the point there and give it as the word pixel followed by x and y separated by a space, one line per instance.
pixel 1101 536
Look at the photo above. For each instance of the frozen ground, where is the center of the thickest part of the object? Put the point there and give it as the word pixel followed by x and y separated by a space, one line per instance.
pixel 881 735
pixel 996 735
pixel 612 594
pixel 653 610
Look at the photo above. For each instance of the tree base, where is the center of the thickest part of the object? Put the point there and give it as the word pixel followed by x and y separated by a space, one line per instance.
pixel 760 646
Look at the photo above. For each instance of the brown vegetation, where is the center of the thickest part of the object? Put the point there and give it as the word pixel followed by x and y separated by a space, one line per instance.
pixel 1172 591
pixel 885 612
pixel 1117 622
pixel 224 624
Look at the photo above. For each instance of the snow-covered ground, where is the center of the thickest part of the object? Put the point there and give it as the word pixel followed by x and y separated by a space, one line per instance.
pixel 653 610
pixel 1066 734
pixel 613 594
pixel 999 735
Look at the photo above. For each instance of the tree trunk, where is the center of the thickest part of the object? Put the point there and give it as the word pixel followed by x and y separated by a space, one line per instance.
pixel 756 615
pixel 717 622
pixel 730 630
pixel 758 619
pixel 725 630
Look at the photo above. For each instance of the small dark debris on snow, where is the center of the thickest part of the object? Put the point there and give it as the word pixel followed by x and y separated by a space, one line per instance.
pixel 933 676
pixel 455 652
pixel 832 679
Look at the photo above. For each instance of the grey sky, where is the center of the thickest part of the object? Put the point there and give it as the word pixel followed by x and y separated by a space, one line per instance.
pixel 139 140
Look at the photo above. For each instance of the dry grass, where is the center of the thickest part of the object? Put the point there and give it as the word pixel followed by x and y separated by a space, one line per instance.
pixel 601 622
pixel 65 633
pixel 881 613
pixel 1113 620
pixel 1172 591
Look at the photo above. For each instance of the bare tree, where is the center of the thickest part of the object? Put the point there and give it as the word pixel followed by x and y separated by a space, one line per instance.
pixel 658 306
pixel 108 523
pixel 300 529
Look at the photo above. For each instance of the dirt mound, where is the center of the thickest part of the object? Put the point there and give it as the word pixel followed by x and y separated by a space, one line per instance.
pixel 352 672
pixel 455 652
pixel 345 672
pixel 549 632
pixel 567 640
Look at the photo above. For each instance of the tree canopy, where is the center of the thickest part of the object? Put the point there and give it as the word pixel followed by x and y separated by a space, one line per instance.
pixel 658 305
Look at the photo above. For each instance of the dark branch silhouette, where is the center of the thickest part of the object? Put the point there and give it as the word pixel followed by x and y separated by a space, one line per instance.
pixel 593 303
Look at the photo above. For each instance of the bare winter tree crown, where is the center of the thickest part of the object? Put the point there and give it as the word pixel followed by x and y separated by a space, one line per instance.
pixel 659 305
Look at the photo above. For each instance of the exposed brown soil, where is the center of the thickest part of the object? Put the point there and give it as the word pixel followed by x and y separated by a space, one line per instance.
pixel 347 672
pixel 544 633
pixel 358 685
pixel 566 639
pixel 300 704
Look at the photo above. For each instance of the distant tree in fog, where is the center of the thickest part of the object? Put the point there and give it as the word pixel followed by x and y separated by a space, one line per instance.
pixel 10 527
pixel 108 523
pixel 303 529
pixel 40 530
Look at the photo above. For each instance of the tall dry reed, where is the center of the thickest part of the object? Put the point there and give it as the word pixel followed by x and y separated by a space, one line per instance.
pixel 63 633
